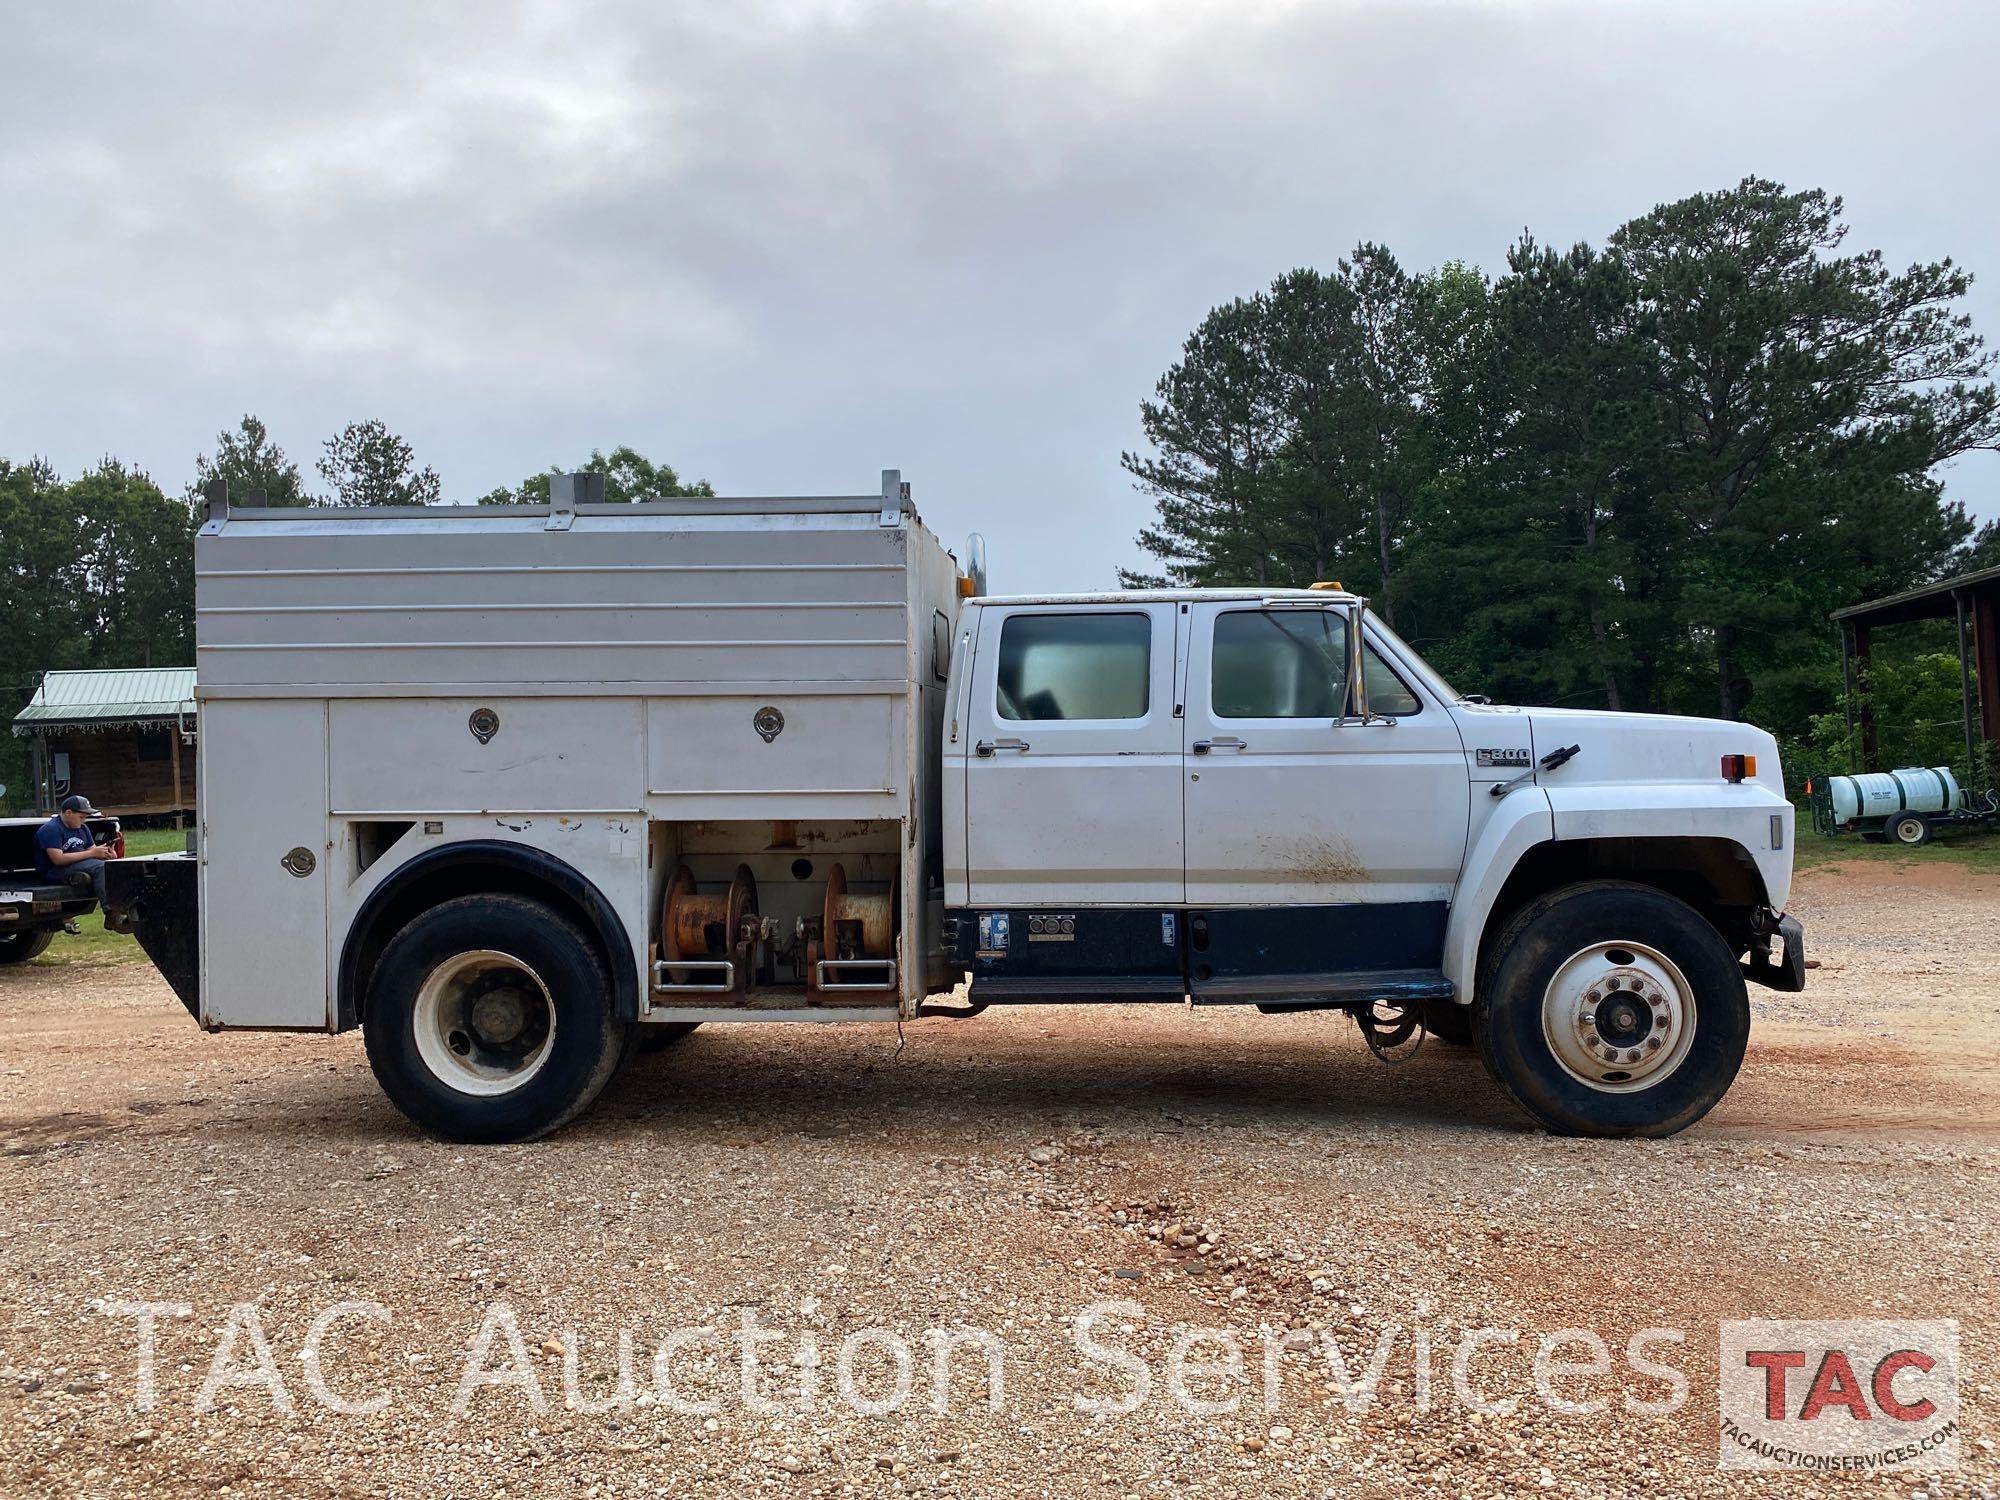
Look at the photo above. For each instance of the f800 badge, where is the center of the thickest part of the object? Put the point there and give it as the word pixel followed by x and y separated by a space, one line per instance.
pixel 1509 756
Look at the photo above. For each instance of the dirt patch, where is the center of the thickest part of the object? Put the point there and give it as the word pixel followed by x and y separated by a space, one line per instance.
pixel 1327 860
pixel 1886 877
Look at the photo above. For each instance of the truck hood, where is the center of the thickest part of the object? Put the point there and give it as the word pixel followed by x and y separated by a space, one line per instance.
pixel 1625 748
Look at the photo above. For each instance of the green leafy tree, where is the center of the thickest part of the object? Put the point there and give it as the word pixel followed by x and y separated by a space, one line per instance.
pixel 1288 440
pixel 1537 550
pixel 44 597
pixel 1795 388
pixel 1381 403
pixel 1640 476
pixel 628 475
pixel 96 572
pixel 366 464
pixel 139 554
pixel 1983 551
pixel 253 466
pixel 1218 431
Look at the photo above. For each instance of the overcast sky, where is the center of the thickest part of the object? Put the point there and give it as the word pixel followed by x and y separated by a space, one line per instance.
pixel 786 247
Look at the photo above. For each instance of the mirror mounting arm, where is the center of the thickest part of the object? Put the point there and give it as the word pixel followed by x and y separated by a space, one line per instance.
pixel 1357 677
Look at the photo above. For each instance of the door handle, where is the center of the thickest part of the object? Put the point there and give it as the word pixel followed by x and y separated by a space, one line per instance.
pixel 987 747
pixel 1220 742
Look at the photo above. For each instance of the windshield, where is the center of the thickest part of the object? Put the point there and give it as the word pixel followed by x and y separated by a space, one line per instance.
pixel 1409 657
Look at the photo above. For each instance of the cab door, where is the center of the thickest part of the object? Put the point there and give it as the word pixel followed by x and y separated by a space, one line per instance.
pixel 1073 770
pixel 1292 801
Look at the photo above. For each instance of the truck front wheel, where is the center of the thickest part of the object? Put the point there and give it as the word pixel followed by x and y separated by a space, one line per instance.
pixel 489 1018
pixel 1613 1009
pixel 19 947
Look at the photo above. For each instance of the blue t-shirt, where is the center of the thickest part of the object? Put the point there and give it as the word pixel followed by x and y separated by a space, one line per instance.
pixel 52 835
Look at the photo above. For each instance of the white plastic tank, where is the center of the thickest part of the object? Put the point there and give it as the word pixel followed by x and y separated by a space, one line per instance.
pixel 1883 794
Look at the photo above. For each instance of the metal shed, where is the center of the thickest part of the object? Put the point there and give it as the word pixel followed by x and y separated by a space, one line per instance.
pixel 1973 599
pixel 124 737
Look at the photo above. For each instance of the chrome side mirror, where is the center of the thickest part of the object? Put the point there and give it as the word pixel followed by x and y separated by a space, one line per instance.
pixel 975 562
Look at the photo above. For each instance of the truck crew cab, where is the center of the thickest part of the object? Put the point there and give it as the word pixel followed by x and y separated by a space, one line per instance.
pixel 513 789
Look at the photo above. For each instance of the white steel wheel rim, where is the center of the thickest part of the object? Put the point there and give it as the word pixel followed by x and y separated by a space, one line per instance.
pixel 1907 831
pixel 485 1022
pixel 1619 1017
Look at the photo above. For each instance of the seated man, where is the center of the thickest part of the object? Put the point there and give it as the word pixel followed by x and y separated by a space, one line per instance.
pixel 67 854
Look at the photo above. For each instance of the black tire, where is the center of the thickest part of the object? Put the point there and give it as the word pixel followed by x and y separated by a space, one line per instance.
pixel 1552 933
pixel 1449 1022
pixel 19 947
pixel 1909 829
pixel 583 1041
pixel 656 1036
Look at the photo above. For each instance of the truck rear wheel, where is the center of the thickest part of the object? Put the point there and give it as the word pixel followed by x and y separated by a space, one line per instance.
pixel 19 947
pixel 489 1018
pixel 1613 1009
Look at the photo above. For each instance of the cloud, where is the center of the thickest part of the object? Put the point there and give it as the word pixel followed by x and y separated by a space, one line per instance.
pixel 786 246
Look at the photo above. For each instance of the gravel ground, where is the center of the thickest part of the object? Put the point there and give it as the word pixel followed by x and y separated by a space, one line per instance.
pixel 1220 1170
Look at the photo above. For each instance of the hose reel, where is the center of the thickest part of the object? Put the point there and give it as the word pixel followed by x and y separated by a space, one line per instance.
pixel 718 942
pixel 718 934
pixel 855 948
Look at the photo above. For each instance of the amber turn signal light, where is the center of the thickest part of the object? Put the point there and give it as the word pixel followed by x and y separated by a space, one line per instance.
pixel 1738 767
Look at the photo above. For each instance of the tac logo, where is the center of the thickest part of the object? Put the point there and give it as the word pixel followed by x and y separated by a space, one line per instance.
pixel 1839 1396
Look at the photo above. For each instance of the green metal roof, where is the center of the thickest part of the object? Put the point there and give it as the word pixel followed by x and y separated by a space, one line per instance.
pixel 102 699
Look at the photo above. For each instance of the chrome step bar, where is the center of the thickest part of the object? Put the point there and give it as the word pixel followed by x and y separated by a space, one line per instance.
pixel 886 967
pixel 719 966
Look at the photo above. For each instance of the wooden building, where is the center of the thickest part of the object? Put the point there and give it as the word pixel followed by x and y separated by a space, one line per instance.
pixel 124 738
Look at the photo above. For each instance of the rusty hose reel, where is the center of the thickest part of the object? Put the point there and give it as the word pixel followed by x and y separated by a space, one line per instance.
pixel 694 925
pixel 856 926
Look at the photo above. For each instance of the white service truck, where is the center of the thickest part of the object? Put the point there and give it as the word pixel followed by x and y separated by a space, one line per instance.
pixel 513 789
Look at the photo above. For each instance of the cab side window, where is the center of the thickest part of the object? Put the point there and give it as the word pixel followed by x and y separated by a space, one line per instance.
pixel 1386 692
pixel 1279 664
pixel 1292 664
pixel 1096 665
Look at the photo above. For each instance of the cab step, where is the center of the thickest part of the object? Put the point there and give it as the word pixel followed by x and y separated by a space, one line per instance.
pixel 1054 989
pixel 1321 991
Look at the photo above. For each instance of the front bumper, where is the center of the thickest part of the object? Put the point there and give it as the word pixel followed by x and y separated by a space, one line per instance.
pixel 1786 973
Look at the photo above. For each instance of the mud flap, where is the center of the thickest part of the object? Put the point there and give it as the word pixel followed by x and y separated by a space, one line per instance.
pixel 1788 974
pixel 158 894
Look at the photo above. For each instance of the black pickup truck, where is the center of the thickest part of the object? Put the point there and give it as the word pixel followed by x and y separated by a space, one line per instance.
pixel 33 910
